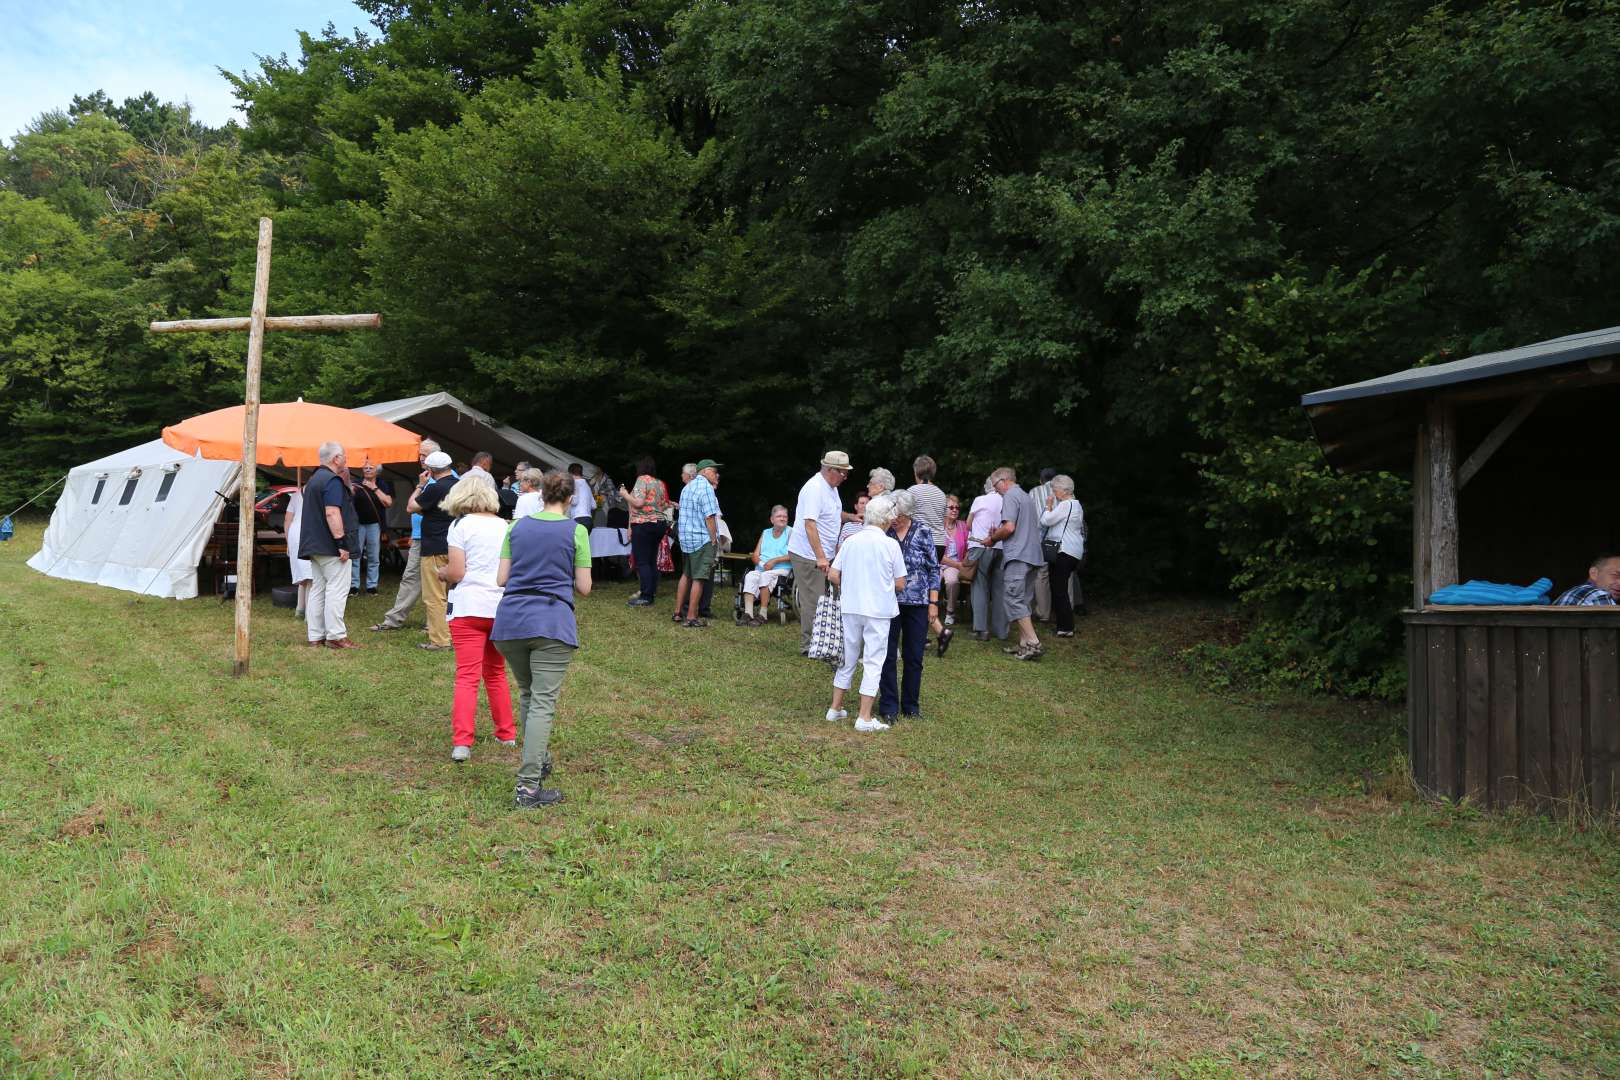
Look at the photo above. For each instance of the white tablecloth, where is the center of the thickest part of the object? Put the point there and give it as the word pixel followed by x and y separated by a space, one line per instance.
pixel 609 542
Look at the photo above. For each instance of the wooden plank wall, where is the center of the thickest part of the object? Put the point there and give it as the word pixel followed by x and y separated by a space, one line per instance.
pixel 1504 714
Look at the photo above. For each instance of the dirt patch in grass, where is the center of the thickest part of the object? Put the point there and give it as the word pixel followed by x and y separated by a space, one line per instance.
pixel 153 946
pixel 87 822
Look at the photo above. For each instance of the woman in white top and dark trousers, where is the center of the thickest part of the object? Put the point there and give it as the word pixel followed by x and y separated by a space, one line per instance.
pixel 1065 522
pixel 475 539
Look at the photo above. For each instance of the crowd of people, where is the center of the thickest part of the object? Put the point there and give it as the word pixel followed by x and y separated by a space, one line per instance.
pixel 498 567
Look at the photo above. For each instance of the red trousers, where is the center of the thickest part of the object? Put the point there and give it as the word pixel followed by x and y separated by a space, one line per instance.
pixel 477 658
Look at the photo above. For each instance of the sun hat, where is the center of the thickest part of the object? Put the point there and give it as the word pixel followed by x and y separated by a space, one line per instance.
pixel 835 459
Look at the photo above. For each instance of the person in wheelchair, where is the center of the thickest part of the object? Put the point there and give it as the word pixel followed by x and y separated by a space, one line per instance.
pixel 771 567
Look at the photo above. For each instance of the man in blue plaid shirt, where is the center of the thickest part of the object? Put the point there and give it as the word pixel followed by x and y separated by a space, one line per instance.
pixel 1602 585
pixel 696 527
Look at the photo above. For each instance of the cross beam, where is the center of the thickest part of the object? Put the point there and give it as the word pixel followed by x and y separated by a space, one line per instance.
pixel 256 324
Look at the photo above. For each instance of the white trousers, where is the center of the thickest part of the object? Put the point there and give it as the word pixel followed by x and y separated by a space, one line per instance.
pixel 328 597
pixel 865 639
pixel 763 579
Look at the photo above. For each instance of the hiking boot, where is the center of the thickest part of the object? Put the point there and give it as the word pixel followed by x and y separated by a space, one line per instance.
pixel 529 796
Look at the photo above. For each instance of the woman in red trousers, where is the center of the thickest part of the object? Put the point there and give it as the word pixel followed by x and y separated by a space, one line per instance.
pixel 476 536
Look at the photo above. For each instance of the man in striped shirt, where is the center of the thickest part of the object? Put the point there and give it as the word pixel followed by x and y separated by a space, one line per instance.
pixel 930 501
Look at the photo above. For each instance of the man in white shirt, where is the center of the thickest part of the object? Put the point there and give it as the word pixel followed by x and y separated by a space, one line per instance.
pixel 583 509
pixel 816 523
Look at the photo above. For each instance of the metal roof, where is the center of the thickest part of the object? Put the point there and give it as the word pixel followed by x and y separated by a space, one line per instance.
pixel 1564 350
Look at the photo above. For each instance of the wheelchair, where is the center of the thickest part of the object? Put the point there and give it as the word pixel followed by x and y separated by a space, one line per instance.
pixel 781 602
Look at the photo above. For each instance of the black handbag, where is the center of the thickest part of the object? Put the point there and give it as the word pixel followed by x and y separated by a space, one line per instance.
pixel 1051 549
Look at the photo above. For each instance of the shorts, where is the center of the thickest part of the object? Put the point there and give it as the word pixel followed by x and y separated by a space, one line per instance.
pixel 764 579
pixel 1018 587
pixel 700 563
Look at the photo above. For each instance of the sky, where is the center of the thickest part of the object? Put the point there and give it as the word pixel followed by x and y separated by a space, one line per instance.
pixel 53 49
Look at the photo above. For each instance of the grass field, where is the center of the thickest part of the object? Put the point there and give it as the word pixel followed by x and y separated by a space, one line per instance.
pixel 1086 866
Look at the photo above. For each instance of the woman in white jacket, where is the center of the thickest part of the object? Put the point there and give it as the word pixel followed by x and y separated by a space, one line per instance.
pixel 1065 522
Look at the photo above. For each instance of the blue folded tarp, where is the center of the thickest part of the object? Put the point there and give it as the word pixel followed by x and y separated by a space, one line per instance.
pixel 1489 592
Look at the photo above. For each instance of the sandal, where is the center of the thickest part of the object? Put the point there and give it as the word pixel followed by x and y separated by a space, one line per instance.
pixel 379 628
pixel 695 624
pixel 430 647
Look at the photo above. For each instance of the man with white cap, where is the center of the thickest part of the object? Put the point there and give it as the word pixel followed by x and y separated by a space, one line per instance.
pixel 425 500
pixel 817 520
pixel 410 582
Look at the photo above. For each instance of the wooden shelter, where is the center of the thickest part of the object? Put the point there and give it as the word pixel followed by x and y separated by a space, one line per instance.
pixel 1508 452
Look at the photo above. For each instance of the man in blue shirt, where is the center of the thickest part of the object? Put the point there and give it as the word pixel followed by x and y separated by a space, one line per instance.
pixel 697 528
pixel 1601 588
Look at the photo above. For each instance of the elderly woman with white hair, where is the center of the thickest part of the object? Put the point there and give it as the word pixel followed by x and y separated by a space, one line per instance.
pixel 879 481
pixel 770 566
pixel 1065 522
pixel 901 696
pixel 869 572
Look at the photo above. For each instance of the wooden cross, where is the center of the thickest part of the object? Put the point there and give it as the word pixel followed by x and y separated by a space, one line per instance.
pixel 256 324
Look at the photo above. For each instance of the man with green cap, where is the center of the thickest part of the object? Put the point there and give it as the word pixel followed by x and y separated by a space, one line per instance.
pixel 697 528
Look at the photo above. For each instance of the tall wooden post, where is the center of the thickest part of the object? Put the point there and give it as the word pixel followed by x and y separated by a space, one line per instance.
pixel 1422 564
pixel 1443 539
pixel 247 522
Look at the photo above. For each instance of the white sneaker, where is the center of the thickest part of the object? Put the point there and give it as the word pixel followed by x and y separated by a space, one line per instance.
pixel 835 715
pixel 507 742
pixel 460 753
pixel 871 725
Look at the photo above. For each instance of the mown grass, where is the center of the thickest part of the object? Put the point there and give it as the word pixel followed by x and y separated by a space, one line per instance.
pixel 1083 867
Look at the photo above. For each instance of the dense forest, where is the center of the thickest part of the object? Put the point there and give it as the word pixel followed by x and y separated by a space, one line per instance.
pixel 1118 238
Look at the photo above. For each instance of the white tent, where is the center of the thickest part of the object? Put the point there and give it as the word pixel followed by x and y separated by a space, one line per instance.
pixel 137 520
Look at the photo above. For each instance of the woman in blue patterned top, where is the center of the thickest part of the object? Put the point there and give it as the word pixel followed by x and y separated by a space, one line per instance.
pixel 545 563
pixel 919 608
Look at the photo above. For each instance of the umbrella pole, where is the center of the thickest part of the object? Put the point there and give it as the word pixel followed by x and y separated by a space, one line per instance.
pixel 247 522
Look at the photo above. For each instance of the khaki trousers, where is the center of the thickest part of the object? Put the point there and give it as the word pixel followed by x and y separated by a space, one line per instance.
pixel 436 599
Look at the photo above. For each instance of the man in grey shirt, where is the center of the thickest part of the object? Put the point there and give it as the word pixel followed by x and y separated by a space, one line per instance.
pixel 1021 559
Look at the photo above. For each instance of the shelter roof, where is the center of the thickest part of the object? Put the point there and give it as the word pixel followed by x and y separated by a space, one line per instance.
pixel 461 430
pixel 1564 350
pixel 1370 424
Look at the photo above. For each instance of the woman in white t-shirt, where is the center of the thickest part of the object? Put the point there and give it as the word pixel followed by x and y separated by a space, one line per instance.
pixel 869 572
pixel 475 538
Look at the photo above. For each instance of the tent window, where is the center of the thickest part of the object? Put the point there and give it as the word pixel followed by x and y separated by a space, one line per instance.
pixel 129 490
pixel 168 482
pixel 101 483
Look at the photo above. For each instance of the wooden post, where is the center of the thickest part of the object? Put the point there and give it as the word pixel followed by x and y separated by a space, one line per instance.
pixel 1422 568
pixel 1443 538
pixel 247 522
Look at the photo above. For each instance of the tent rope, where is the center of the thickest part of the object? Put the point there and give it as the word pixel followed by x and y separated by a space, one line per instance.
pixel 41 491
